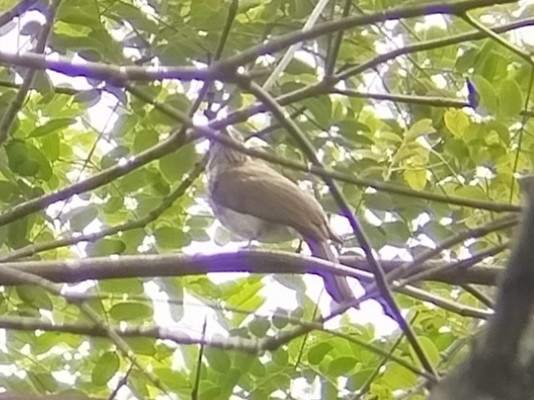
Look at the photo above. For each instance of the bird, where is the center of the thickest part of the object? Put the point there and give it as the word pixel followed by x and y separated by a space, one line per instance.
pixel 255 202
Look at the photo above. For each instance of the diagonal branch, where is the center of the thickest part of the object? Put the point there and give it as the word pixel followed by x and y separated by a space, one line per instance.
pixel 18 9
pixel 14 106
pixel 230 65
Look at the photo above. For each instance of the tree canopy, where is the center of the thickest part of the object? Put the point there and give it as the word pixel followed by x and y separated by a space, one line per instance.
pixel 409 121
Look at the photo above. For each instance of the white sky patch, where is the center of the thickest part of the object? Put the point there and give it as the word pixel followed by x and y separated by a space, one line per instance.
pixel 301 387
pixel 437 20
pixel 484 173
pixel 440 81
pixel 421 220
pixel 446 221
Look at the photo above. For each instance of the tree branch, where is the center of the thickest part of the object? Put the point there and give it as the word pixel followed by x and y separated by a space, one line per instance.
pixel 500 366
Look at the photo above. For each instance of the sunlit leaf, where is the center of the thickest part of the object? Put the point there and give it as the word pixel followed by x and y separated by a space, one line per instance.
pixel 130 311
pixel 105 368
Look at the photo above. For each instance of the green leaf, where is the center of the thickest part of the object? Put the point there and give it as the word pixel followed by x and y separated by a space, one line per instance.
pixel 397 377
pixel 50 145
pixel 174 166
pixel 488 98
pixel 280 318
pixel 175 290
pixel 105 247
pixel 218 359
pixel 429 348
pixel 378 201
pixel 139 383
pixel 135 16
pixel 27 160
pixel 174 380
pixel 131 286
pixel 134 181
pixel 142 346
pixel 222 236
pixel 298 67
pixel 466 60
pixel 397 233
pixel 130 311
pixel 209 390
pixel 375 234
pixel 133 238
pixel 105 368
pixel 42 83
pixel 421 127
pixel 177 101
pixel 259 326
pixel 341 366
pixel 113 204
pixel 456 122
pixel 52 126
pixel 317 353
pixel 510 98
pixel 88 97
pixel 34 296
pixel 415 178
pixel 80 217
pixel 171 238
pixel 207 15
pixel 144 140
pixel 281 357
pixel 8 191
pixel 321 109
pixel 43 381
pixel 114 156
pixel 437 231
pixel 256 368
pixel 79 12
pixel 17 232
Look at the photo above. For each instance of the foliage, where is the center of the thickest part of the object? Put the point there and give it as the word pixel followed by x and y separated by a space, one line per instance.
pixel 89 168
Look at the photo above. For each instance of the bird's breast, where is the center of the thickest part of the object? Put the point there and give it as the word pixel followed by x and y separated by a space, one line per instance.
pixel 249 227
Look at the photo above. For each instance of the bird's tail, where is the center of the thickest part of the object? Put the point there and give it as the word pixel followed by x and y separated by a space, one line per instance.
pixel 336 285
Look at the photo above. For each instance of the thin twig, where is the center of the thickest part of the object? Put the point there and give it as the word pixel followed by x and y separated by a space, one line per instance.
pixel 198 369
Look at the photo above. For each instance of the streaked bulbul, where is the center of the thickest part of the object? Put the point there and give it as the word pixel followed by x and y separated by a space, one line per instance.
pixel 256 202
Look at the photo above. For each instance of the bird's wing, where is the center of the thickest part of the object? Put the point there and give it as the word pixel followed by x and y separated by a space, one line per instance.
pixel 256 189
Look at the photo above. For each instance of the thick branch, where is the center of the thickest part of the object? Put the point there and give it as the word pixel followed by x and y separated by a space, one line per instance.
pixel 246 260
